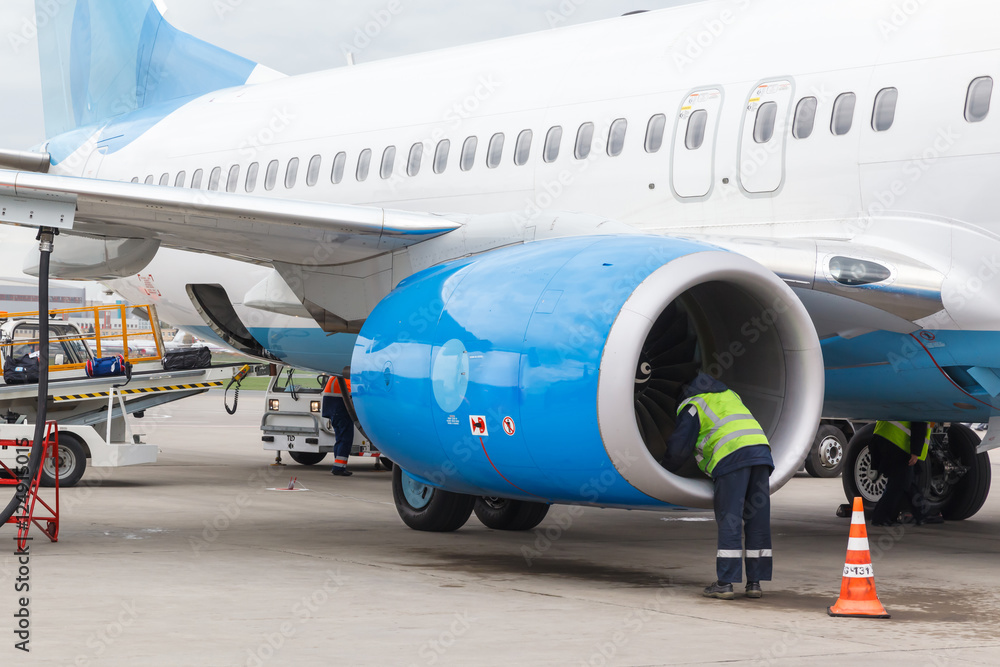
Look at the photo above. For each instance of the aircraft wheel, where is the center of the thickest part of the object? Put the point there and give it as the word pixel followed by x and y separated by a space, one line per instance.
pixel 505 514
pixel 307 458
pixel 969 492
pixel 955 479
pixel 826 458
pixel 385 462
pixel 423 507
pixel 859 478
pixel 72 463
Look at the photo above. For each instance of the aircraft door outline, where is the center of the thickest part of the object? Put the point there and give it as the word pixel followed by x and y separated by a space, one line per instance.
pixel 93 166
pixel 692 159
pixel 764 136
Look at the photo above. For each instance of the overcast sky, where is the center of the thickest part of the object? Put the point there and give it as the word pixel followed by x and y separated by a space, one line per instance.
pixel 298 36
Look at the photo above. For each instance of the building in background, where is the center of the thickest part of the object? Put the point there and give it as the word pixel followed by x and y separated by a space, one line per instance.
pixel 20 298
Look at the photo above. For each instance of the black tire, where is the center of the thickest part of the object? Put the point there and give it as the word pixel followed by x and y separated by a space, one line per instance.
pixel 505 514
pixel 72 463
pixel 307 458
pixel 386 462
pixel 970 492
pixel 955 501
pixel 858 478
pixel 438 511
pixel 826 458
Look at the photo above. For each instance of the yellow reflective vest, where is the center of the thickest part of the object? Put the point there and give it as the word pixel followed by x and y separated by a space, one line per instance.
pixel 898 433
pixel 726 425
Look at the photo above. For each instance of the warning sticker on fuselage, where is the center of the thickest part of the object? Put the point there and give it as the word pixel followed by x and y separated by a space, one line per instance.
pixel 478 425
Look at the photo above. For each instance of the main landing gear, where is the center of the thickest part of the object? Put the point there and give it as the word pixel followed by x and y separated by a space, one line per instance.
pixel 955 479
pixel 423 507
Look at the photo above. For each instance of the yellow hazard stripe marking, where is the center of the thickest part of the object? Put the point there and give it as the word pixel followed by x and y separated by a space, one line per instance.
pixel 149 390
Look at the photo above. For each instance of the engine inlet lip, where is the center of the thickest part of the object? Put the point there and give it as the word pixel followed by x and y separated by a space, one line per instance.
pixel 803 361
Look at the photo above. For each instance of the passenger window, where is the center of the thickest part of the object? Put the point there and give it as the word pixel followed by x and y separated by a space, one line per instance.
pixel 364 164
pixel 469 153
pixel 843 114
pixel 584 141
pixel 196 179
pixel 977 102
pixel 416 157
pixel 312 175
pixel 214 178
pixel 885 109
pixel 339 163
pixel 763 127
pixel 388 161
pixel 654 132
pixel 181 179
pixel 552 142
pixel 165 179
pixel 252 173
pixel 135 179
pixel 616 139
pixel 695 135
pixel 292 173
pixel 805 118
pixel 441 156
pixel 149 180
pixel 271 176
pixel 522 149
pixel 234 178
pixel 495 152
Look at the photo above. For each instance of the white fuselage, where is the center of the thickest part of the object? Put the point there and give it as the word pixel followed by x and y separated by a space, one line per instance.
pixel 919 189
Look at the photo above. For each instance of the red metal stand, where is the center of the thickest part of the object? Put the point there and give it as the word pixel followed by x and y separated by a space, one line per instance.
pixel 25 516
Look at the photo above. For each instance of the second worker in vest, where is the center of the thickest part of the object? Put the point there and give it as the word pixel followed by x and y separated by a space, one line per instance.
pixel 729 445
pixel 895 450
pixel 335 410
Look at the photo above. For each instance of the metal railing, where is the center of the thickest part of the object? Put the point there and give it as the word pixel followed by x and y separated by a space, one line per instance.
pixel 110 335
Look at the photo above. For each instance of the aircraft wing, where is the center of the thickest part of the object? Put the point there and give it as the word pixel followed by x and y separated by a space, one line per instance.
pixel 221 223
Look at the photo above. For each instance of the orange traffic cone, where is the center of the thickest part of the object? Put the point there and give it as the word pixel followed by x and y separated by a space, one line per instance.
pixel 857 591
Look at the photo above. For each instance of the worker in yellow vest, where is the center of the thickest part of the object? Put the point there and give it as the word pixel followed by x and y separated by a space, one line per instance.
pixel 729 446
pixel 335 410
pixel 895 451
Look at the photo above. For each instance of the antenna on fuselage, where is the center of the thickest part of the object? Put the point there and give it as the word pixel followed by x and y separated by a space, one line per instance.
pixel 350 58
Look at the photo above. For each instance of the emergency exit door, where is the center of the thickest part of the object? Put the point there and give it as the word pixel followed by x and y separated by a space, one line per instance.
pixel 693 163
pixel 762 142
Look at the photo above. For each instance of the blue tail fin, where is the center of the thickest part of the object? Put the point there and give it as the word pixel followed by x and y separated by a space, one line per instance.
pixel 104 58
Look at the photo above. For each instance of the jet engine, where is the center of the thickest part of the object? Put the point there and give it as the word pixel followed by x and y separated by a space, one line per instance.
pixel 550 371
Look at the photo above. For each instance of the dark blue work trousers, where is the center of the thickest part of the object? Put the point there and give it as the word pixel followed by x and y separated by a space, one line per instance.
pixel 743 505
pixel 343 426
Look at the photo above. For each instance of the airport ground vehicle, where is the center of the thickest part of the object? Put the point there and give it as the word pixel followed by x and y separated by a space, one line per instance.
pixel 293 421
pixel 95 415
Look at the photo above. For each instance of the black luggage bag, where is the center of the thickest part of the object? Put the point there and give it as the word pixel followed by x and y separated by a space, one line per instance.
pixel 191 358
pixel 23 370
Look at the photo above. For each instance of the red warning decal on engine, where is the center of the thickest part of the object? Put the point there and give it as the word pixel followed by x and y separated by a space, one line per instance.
pixel 508 426
pixel 478 425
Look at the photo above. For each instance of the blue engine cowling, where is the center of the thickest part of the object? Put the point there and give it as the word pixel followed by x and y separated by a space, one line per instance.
pixel 523 372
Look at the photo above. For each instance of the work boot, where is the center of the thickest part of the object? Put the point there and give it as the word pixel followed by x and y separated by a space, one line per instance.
pixel 341 472
pixel 753 590
pixel 719 591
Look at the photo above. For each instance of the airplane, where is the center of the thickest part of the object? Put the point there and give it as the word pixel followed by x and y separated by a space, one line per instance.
pixel 520 249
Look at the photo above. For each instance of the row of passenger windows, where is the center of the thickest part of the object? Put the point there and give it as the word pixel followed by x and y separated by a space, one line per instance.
pixel 414 161
pixel 977 107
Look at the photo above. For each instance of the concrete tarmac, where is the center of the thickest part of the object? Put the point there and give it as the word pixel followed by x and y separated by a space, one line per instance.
pixel 193 561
